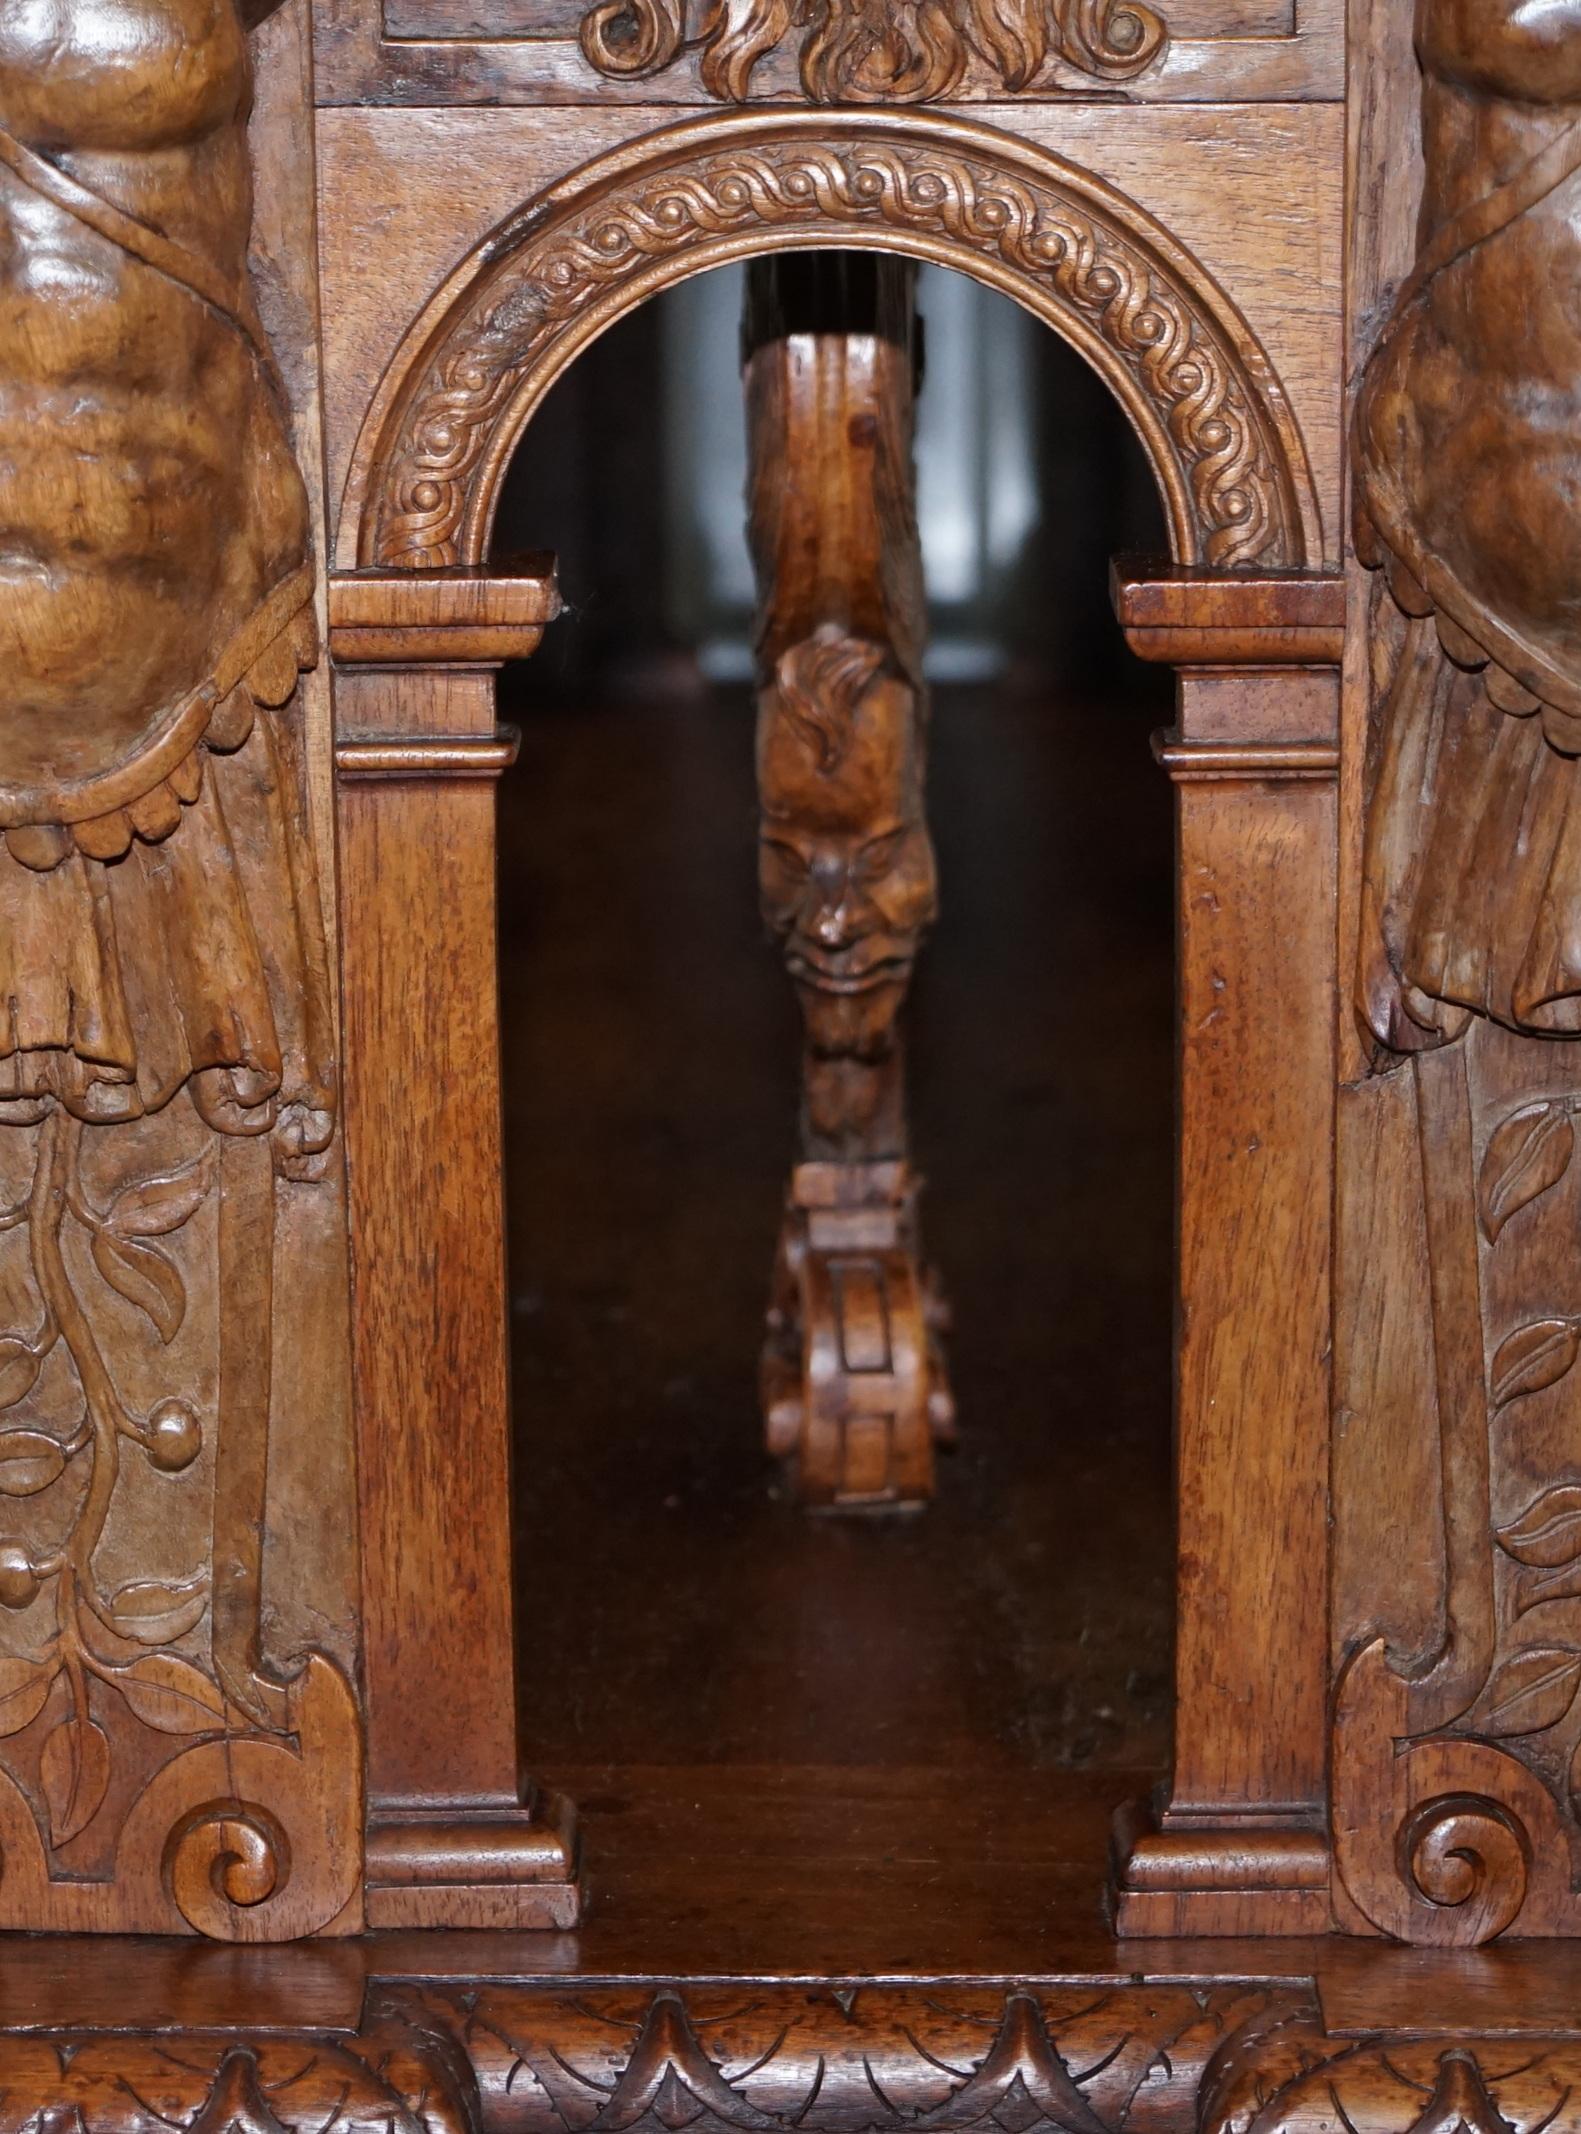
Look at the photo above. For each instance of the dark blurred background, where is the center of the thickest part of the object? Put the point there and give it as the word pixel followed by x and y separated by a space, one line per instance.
pixel 678 1608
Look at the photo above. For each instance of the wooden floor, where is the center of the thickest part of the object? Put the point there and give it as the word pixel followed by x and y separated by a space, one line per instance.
pixel 682 1611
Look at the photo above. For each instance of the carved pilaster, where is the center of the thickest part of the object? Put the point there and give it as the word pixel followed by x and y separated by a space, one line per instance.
pixel 1237 1842
pixel 455 1836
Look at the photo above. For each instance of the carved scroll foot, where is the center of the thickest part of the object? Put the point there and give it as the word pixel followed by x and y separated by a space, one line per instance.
pixel 855 1389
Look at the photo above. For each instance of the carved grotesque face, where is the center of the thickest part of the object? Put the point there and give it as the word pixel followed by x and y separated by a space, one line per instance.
pixel 846 866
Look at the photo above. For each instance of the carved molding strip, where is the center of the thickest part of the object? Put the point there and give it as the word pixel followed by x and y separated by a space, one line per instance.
pixel 388 2080
pixel 1139 2058
pixel 1087 2059
pixel 1248 762
pixel 1293 2078
pixel 402 757
pixel 1200 391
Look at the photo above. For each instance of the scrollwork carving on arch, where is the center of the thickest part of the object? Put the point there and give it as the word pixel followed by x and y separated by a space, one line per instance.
pixel 1197 386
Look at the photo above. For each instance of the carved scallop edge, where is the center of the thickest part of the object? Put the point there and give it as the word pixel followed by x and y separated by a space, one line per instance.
pixel 487 2057
pixel 1199 389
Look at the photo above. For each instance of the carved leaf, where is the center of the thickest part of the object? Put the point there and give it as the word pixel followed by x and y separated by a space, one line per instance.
pixel 146 1277
pixel 1529 1693
pixel 171 1695
pixel 1526 1154
pixel 1532 1357
pixel 30 1460
pixel 153 1207
pixel 24 1685
pixel 19 1369
pixel 75 1770
pixel 1548 1532
pixel 1532 1588
pixel 156 1614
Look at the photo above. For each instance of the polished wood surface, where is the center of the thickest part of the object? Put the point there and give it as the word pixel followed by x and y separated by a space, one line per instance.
pixel 291 1644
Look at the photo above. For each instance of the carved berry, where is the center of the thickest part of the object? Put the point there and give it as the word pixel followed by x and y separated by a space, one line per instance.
pixel 18 1579
pixel 174 1438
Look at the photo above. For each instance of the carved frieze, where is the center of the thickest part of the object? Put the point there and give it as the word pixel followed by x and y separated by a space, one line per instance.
pixel 875 51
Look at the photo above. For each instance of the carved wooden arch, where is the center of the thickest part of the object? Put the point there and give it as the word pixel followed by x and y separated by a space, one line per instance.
pixel 1197 386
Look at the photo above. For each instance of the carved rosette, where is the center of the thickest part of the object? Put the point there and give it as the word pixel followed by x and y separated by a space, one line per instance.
pixel 876 51
pixel 1202 394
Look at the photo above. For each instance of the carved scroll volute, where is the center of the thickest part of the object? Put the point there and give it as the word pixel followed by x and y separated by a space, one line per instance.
pixel 1459 1713
pixel 172 1754
pixel 877 51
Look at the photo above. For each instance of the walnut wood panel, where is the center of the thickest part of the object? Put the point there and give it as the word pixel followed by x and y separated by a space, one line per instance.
pixel 1228 458
pixel 181 1738
pixel 565 52
pixel 454 1837
pixel 1237 1845
pixel 1455 1717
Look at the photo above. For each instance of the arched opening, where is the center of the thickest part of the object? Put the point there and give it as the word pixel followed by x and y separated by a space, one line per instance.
pixel 1254 628
pixel 684 1609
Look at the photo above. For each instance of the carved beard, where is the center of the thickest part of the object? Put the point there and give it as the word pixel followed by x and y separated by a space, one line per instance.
pixel 855 1026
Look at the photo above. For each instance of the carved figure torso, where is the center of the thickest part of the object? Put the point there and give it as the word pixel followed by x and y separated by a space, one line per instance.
pixel 1467 425
pixel 1469 482
pixel 167 488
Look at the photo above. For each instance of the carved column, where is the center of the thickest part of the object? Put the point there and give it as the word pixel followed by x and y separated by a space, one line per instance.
pixel 854 1385
pixel 1238 1844
pixel 455 1835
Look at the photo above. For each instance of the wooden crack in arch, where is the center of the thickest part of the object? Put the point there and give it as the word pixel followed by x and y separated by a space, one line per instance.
pixel 1200 391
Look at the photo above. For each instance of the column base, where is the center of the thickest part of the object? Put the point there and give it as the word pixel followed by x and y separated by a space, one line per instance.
pixel 1174 1874
pixel 513 1868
